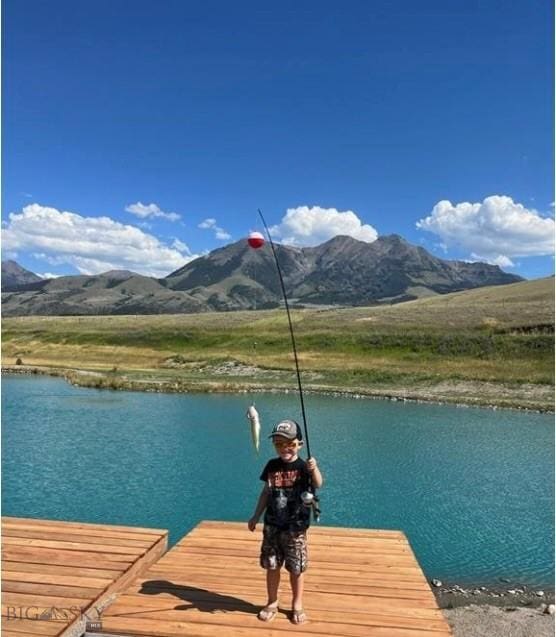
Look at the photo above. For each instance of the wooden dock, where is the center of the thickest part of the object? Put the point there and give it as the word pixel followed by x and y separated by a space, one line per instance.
pixel 56 574
pixel 359 583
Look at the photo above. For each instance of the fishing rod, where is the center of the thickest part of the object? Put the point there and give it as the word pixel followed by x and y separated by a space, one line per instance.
pixel 309 498
pixel 291 334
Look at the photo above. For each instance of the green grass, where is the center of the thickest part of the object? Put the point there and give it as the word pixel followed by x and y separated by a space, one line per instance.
pixel 501 334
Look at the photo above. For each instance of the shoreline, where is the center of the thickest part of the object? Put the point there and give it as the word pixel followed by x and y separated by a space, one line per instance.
pixel 108 380
pixel 497 611
pixel 510 596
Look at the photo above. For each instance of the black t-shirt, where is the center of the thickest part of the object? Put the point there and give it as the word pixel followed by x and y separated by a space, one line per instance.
pixel 286 482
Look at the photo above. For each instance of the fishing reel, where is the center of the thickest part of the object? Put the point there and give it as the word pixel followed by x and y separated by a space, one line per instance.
pixel 311 500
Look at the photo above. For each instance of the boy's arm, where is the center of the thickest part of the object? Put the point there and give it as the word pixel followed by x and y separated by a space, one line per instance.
pixel 316 475
pixel 261 506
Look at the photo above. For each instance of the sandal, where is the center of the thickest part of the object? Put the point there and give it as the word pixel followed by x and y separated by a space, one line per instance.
pixel 298 616
pixel 268 613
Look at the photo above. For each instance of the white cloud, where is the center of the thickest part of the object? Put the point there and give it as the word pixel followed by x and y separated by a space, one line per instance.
pixel 181 246
pixel 150 210
pixel 90 244
pixel 310 226
pixel 222 235
pixel 501 260
pixel 497 229
pixel 219 233
pixel 48 275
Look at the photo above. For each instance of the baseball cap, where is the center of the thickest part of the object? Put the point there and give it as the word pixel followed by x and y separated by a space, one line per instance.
pixel 288 429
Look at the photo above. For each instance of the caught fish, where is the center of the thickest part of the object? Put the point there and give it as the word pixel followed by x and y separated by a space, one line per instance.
pixel 253 417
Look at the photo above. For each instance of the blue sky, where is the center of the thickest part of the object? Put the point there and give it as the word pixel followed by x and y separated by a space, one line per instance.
pixel 139 135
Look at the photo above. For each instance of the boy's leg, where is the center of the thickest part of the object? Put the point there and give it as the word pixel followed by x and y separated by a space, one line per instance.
pixel 296 560
pixel 297 581
pixel 271 560
pixel 272 584
pixel 268 612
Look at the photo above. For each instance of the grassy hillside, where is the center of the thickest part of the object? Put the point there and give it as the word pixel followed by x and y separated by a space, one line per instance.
pixel 500 334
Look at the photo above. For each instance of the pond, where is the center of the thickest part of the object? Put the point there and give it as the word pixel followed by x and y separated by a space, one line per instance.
pixel 473 489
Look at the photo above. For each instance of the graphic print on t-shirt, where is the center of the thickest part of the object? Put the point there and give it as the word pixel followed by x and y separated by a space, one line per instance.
pixel 283 478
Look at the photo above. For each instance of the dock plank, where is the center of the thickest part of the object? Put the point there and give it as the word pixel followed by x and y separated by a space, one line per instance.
pixel 58 569
pixel 42 555
pixel 22 627
pixel 330 531
pixel 87 526
pixel 338 578
pixel 71 545
pixel 51 534
pixel 167 611
pixel 53 578
pixel 166 628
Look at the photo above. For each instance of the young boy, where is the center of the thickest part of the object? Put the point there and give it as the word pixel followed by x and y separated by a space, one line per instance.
pixel 286 517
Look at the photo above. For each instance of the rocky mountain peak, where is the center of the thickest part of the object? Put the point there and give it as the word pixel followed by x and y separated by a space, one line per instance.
pixel 14 275
pixel 119 274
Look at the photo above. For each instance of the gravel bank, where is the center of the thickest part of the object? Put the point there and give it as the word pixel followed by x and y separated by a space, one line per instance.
pixel 494 621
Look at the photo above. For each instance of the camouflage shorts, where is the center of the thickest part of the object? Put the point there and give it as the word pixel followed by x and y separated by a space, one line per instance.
pixel 284 547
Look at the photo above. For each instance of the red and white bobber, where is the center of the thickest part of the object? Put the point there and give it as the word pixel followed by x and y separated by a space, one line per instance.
pixel 255 240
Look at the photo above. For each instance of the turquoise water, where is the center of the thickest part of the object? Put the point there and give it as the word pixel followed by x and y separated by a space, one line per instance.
pixel 473 489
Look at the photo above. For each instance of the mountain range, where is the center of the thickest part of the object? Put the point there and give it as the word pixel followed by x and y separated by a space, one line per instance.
pixel 343 271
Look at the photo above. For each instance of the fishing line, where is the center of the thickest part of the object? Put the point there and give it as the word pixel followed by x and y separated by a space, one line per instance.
pixel 252 387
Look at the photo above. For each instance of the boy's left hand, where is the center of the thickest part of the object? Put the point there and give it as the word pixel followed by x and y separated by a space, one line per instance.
pixel 311 464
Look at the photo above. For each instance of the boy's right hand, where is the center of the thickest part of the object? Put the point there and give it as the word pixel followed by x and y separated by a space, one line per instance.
pixel 252 523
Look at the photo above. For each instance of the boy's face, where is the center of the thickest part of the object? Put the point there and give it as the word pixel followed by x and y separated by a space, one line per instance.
pixel 287 449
